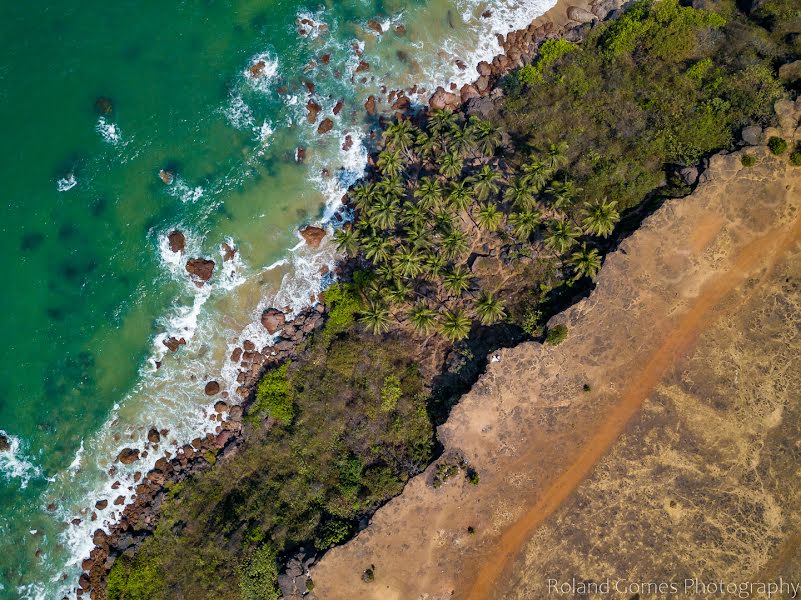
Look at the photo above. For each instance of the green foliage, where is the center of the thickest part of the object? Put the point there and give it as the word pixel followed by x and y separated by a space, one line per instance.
pixel 795 158
pixel 777 145
pixel 134 579
pixel 390 393
pixel 748 160
pixel 531 322
pixel 473 477
pixel 444 472
pixel 332 533
pixel 549 53
pixel 344 304
pixel 274 396
pixel 258 575
pixel 556 334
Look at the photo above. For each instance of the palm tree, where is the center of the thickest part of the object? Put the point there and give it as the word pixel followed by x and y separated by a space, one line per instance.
pixel 389 162
pixel 393 187
pixel 586 263
pixel 363 195
pixel 375 318
pixel 485 183
pixel 457 281
pixel 397 292
pixel 451 165
pixel 442 121
pixel 429 193
pixel 600 218
pixel 423 318
pixel 520 193
pixel 536 174
pixel 455 325
pixel 420 237
pixel 400 135
pixel 487 135
pixel 489 217
pixel 413 215
pixel 427 145
pixel 378 249
pixel 454 244
pixel 489 309
pixel 435 265
pixel 563 193
pixel 524 223
pixel 408 262
pixel 384 214
pixel 561 236
pixel 555 155
pixel 347 241
pixel 462 140
pixel 460 196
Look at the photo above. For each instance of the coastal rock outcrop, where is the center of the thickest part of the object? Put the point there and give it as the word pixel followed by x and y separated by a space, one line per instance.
pixel 173 343
pixel 313 235
pixel 212 388
pixel 369 105
pixel 128 456
pixel 166 176
pixel 177 240
pixel 326 125
pixel 201 269
pixel 580 15
pixel 313 110
pixel 153 436
pixel 443 99
pixel 5 445
pixel 273 319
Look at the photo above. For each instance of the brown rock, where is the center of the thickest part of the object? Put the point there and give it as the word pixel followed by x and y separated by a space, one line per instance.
pixel 257 69
pixel 119 501
pixel 153 436
pixel 248 346
pixel 220 406
pixel 101 504
pixel 369 105
pixel 325 59
pixel 482 84
pixel 313 235
pixel 348 143
pixel 363 66
pixel 468 92
pixel 400 29
pixel 313 109
pixel 173 343
pixel 177 240
pixel 128 455
pixel 580 15
pixel 326 125
pixel 486 14
pixel 338 106
pixel 212 388
pixel 443 99
pixel 484 69
pixel 166 176
pixel 5 445
pixel 300 154
pixel 273 319
pixel 375 26
pixel 201 269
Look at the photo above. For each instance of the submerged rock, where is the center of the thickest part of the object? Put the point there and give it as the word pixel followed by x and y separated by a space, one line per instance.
pixel 166 176
pixel 201 269
pixel 103 105
pixel 313 235
pixel 375 26
pixel 369 105
pixel 273 319
pixel 173 343
pixel 313 110
pixel 363 66
pixel 177 240
pixel 153 436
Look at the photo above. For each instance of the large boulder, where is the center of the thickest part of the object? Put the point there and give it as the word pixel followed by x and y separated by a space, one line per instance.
pixel 369 105
pixel 173 343
pixel 273 319
pixel 313 110
pixel 326 125
pixel 313 235
pixel 201 269
pixel 153 436
pixel 752 135
pixel 468 92
pixel 442 99
pixel 177 240
pixel 5 445
pixel 212 388
pixel 128 455
pixel 580 15
pixel 375 26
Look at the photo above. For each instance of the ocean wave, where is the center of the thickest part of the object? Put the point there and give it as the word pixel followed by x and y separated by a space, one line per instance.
pixel 108 131
pixel 260 72
pixel 180 189
pixel 14 464
pixel 66 183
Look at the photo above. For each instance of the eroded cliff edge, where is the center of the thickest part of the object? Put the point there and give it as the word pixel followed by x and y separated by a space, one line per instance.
pixel 668 419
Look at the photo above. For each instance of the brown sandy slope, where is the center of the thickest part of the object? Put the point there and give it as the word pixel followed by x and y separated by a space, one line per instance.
pixel 683 459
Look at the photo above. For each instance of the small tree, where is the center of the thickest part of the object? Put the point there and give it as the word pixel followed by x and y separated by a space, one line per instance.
pixel 556 334
pixel 777 145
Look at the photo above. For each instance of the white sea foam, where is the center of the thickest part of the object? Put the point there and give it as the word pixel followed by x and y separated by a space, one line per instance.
pixel 14 464
pixel 108 131
pixel 66 183
pixel 239 113
pixel 183 191
pixel 265 67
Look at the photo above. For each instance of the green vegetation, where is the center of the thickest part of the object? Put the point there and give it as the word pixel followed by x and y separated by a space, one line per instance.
pixel 556 334
pixel 274 396
pixel 258 574
pixel 748 160
pixel 550 52
pixel 795 158
pixel 777 145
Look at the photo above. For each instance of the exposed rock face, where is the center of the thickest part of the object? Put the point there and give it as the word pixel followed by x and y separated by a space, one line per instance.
pixel 443 99
pixel 128 455
pixel 313 235
pixel 468 92
pixel 273 319
pixel 101 504
pixel 5 446
pixel 752 135
pixel 348 143
pixel 166 176
pixel 177 240
pixel 257 69
pixel 212 388
pixel 153 436
pixel 228 251
pixel 173 343
pixel 300 154
pixel 201 269
pixel 338 107
pixel 326 125
pixel 375 26
pixel 313 110
pixel 580 15
pixel 369 105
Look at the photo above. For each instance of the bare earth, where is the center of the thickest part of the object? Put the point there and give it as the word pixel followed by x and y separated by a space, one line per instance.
pixel 684 458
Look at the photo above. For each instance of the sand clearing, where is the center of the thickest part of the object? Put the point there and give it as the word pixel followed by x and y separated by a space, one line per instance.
pixel 702 267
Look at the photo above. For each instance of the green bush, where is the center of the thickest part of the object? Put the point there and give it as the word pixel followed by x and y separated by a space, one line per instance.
pixel 332 533
pixel 134 579
pixel 549 53
pixel 258 575
pixel 795 156
pixel 390 393
pixel 748 160
pixel 556 334
pixel 343 303
pixel 274 396
pixel 777 145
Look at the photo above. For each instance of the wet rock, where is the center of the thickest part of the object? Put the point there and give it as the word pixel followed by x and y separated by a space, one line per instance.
pixel 166 176
pixel 273 319
pixel 363 66
pixel 300 154
pixel 212 388
pixel 248 346
pixel 375 26
pixel 348 143
pixel 128 455
pixel 103 105
pixel 309 86
pixel 201 269
pixel 228 252
pixel 83 582
pixel 486 14
pixel 256 70
pixel 177 240
pixel 338 107
pixel 173 343
pixel 119 501
pixel 461 65
pixel 443 99
pixel 153 436
pixel 400 29
pixel 401 104
pixel 468 92
pixel 326 125
pixel 484 69
pixel 5 445
pixel 325 59
pixel 220 407
pixel 369 105
pixel 313 235
pixel 101 504
pixel 313 110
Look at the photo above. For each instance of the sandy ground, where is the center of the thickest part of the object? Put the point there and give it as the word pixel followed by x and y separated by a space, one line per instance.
pixel 681 461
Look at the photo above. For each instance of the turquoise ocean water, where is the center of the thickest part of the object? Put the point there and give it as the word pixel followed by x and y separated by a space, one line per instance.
pixel 91 287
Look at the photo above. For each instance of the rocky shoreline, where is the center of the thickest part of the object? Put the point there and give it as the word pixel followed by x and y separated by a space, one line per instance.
pixel 139 518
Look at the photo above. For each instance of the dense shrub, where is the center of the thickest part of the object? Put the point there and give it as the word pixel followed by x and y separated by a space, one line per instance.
pixel 549 53
pixel 274 396
pixel 748 160
pixel 556 334
pixel 777 145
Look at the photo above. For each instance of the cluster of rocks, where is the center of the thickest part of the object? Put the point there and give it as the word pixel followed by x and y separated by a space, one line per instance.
pixel 294 582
